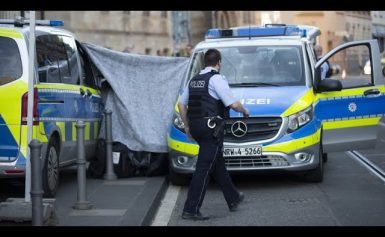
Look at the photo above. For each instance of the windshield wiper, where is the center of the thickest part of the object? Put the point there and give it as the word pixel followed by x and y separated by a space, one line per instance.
pixel 251 84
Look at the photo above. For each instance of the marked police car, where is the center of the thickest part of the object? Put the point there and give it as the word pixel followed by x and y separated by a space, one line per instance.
pixel 65 91
pixel 295 117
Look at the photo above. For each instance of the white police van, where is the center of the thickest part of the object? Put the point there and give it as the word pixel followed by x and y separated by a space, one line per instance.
pixel 65 92
pixel 295 117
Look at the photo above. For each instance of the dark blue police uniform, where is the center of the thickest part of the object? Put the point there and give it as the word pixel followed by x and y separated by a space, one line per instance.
pixel 201 107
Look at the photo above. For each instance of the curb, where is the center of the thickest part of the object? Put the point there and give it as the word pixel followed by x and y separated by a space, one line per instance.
pixel 144 208
pixel 147 220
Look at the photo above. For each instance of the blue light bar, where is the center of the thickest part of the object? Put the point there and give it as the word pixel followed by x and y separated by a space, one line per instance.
pixel 56 23
pixel 280 30
pixel 261 31
pixel 213 33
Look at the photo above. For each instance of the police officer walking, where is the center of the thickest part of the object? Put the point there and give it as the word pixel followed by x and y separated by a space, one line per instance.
pixel 203 105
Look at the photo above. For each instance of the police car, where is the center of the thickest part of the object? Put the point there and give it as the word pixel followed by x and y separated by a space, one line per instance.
pixel 295 117
pixel 65 91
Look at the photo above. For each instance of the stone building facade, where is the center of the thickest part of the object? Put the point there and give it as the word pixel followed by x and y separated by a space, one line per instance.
pixel 149 31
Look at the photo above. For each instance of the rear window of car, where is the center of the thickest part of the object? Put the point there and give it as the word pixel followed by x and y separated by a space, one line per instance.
pixel 10 61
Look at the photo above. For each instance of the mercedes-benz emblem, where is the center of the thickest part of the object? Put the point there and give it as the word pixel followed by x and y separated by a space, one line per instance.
pixel 239 129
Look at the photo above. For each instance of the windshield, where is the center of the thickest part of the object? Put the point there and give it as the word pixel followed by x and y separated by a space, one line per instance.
pixel 10 61
pixel 257 65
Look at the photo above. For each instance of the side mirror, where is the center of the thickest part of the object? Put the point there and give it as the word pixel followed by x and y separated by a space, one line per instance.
pixel 325 84
pixel 329 85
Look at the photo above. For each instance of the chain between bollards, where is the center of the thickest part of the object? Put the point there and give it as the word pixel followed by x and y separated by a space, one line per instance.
pixel 36 183
pixel 110 174
pixel 82 203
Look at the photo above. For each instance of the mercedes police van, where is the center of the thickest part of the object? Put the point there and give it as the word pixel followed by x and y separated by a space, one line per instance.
pixel 65 91
pixel 295 117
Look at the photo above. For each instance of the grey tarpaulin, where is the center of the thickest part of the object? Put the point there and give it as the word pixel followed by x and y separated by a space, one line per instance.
pixel 143 95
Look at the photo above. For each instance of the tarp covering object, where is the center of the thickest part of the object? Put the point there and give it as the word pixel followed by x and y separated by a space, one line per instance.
pixel 144 91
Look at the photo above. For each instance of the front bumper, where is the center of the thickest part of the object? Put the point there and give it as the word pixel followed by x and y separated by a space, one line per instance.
pixel 268 161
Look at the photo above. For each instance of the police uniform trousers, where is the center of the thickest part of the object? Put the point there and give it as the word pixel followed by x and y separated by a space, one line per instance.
pixel 210 163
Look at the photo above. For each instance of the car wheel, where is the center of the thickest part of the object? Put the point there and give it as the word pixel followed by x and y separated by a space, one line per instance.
pixel 325 157
pixel 51 170
pixel 316 175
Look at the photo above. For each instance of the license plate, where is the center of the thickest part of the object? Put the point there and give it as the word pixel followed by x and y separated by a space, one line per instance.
pixel 243 151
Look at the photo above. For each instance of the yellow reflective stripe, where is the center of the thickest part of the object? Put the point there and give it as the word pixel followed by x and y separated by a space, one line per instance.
pixel 305 101
pixel 87 131
pixel 62 128
pixel 92 90
pixel 351 123
pixel 10 98
pixel 11 33
pixel 41 129
pixel 348 92
pixel 62 86
pixel 183 147
pixel 73 131
pixel 58 86
pixel 96 129
pixel 293 145
pixel 23 141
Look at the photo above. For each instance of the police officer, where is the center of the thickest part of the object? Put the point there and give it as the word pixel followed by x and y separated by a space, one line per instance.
pixel 202 106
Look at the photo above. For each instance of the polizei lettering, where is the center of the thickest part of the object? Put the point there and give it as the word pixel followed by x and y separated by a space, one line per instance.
pixel 258 101
pixel 197 84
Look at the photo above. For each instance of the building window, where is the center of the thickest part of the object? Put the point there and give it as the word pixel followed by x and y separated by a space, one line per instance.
pixel 147 51
pixel 163 14
pixel 146 13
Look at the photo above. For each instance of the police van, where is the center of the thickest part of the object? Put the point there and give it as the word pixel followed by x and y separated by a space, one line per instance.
pixel 65 91
pixel 295 117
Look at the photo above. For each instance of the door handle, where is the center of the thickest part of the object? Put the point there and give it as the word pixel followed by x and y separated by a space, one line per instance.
pixel 372 93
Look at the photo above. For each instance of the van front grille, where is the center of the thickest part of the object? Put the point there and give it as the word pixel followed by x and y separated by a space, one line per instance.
pixel 258 129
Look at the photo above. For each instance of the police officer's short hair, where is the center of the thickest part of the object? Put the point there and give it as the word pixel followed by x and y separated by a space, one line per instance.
pixel 212 57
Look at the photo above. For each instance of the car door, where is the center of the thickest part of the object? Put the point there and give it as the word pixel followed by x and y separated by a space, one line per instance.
pixel 350 117
pixel 93 101
pixel 60 101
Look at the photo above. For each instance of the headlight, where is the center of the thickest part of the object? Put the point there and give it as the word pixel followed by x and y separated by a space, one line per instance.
pixel 178 123
pixel 299 119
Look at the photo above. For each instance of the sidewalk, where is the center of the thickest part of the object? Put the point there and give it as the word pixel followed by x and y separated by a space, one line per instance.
pixel 123 202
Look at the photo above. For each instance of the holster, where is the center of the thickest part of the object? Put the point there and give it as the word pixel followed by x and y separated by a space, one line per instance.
pixel 218 132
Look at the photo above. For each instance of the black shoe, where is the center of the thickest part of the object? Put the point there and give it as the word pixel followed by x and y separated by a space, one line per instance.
pixel 234 206
pixel 194 216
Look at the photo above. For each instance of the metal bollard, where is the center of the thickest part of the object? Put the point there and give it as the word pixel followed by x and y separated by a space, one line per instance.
pixel 82 203
pixel 110 174
pixel 36 183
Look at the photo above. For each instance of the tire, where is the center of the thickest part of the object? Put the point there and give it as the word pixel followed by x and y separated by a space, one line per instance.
pixel 51 169
pixel 316 175
pixel 325 157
